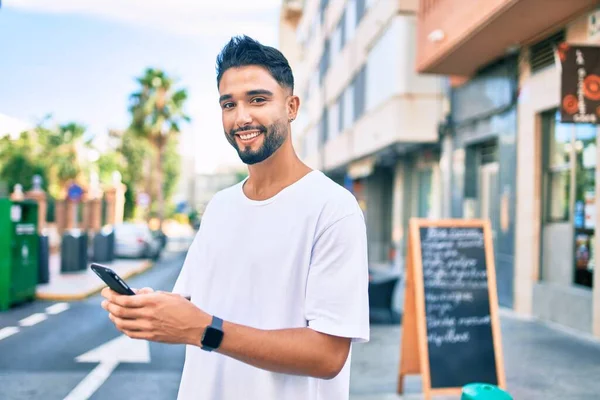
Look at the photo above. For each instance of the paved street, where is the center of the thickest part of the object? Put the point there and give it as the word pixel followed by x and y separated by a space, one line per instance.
pixel 39 360
pixel 541 362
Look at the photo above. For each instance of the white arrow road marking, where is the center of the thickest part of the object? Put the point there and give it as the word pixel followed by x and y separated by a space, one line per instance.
pixel 8 331
pixel 33 319
pixel 109 355
pixel 57 308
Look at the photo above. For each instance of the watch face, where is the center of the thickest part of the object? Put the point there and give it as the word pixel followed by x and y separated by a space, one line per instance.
pixel 212 337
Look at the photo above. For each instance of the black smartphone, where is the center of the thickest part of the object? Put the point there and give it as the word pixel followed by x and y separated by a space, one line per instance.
pixel 113 280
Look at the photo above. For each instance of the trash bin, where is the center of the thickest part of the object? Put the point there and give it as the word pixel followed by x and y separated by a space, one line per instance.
pixel 483 391
pixel 73 251
pixel 44 259
pixel 19 244
pixel 103 248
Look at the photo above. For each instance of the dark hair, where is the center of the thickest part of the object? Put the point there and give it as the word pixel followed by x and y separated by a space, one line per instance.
pixel 243 50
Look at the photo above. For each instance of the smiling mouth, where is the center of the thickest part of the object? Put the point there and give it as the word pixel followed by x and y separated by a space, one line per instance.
pixel 249 135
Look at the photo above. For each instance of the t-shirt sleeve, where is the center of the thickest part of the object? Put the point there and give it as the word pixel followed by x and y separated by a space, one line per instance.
pixel 183 284
pixel 337 301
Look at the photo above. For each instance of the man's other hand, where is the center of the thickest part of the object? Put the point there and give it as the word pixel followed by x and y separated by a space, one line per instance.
pixel 156 316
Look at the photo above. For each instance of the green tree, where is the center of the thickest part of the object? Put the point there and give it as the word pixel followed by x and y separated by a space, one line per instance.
pixel 61 147
pixel 157 111
pixel 128 158
pixel 20 161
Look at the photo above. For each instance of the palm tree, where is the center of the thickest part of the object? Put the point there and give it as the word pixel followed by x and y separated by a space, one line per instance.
pixel 157 113
pixel 63 146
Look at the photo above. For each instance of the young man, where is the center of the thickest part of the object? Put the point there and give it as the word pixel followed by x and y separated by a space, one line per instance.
pixel 277 274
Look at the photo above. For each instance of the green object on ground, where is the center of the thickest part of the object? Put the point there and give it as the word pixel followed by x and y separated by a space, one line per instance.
pixel 19 245
pixel 484 391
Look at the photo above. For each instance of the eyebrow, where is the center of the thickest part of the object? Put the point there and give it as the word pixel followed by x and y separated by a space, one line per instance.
pixel 255 92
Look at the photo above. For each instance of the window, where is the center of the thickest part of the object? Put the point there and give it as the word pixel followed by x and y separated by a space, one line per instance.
pixel 360 84
pixel 570 186
pixel 324 63
pixel 350 17
pixel 383 66
pixel 360 10
pixel 333 120
pixel 343 30
pixel 324 127
pixel 349 106
pixel 336 43
pixel 323 10
pixel 340 103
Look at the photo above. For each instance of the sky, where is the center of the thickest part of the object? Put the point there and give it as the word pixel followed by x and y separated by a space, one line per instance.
pixel 78 60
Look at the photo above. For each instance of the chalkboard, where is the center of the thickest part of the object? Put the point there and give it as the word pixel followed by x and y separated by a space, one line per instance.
pixel 460 342
pixel 451 329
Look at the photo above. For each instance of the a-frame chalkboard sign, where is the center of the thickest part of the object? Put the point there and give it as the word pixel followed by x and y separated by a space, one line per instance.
pixel 450 329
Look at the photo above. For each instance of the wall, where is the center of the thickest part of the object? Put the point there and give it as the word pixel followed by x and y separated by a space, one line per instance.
pixel 484 108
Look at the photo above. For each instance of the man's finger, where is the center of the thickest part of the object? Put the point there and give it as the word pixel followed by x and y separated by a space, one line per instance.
pixel 106 292
pixel 133 325
pixel 124 312
pixel 145 290
pixel 122 300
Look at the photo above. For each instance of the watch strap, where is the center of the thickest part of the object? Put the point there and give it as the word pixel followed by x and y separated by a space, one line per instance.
pixel 217 323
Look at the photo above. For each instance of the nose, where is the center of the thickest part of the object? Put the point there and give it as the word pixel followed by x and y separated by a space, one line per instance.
pixel 242 117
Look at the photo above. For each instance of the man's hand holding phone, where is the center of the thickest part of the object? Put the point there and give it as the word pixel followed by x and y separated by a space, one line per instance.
pixel 156 316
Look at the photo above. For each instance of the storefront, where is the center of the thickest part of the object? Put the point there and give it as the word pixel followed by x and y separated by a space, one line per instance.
pixel 483 160
pixel 568 201
pixel 557 148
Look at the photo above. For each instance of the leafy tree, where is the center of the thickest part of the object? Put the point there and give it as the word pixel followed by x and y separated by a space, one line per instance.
pixel 20 161
pixel 157 111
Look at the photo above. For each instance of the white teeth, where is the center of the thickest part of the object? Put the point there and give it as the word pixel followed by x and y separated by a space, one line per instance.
pixel 249 136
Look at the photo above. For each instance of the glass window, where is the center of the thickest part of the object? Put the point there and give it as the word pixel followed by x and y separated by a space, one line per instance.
pixel 360 10
pixel 333 120
pixel 350 20
pixel 360 92
pixel 340 103
pixel 349 106
pixel 324 63
pixel 381 83
pixel 336 43
pixel 570 176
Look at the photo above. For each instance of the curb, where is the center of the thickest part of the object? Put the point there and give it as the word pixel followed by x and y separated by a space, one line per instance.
pixel 146 265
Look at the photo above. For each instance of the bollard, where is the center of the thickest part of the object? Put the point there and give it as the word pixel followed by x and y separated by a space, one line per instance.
pixel 483 391
pixel 44 259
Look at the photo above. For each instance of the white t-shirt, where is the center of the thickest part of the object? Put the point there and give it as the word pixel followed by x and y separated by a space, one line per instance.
pixel 298 259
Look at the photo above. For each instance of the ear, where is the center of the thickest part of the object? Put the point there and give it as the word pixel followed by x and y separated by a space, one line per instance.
pixel 293 104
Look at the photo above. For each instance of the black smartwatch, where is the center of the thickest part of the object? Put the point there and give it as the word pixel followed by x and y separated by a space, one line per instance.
pixel 213 335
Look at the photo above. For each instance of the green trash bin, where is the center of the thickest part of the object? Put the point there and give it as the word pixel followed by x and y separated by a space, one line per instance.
pixel 483 391
pixel 19 246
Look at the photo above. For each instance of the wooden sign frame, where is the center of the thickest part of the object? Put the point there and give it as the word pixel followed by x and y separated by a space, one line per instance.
pixel 414 353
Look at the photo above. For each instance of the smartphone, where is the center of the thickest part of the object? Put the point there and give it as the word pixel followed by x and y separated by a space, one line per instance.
pixel 113 280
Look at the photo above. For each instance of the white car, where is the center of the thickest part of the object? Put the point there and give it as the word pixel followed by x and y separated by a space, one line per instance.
pixel 134 239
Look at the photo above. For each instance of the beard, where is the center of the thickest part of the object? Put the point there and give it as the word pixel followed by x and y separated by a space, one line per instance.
pixel 274 136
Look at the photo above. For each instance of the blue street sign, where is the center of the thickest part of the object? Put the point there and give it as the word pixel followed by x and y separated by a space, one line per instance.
pixel 75 192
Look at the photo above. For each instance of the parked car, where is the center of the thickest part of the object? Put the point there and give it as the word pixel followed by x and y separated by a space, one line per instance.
pixel 135 239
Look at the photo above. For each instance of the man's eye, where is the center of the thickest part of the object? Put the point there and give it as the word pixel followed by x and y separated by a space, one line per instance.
pixel 227 105
pixel 258 100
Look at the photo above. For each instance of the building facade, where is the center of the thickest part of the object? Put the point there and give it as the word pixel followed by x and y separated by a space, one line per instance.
pixel 367 119
pixel 512 160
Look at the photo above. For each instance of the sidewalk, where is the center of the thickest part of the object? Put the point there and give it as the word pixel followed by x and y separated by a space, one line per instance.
pixel 540 361
pixel 82 284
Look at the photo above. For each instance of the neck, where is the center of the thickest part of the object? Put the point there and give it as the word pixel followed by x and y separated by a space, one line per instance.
pixel 273 174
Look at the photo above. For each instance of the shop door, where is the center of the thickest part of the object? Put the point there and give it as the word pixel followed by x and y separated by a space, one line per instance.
pixel 488 195
pixel 424 182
